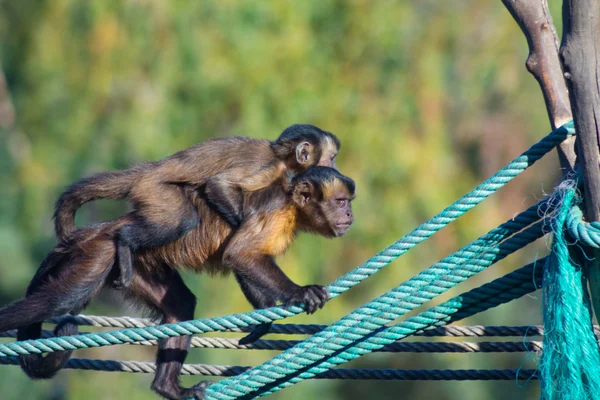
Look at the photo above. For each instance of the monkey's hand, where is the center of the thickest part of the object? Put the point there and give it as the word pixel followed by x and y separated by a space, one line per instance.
pixel 312 296
pixel 258 332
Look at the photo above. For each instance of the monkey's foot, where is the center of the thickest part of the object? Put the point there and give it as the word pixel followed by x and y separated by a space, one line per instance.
pixel 196 391
pixel 176 392
pixel 258 332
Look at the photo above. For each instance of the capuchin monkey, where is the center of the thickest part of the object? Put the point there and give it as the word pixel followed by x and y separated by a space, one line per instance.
pixel 317 201
pixel 220 169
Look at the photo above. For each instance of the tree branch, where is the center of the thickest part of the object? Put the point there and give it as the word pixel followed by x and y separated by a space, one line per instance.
pixel 543 63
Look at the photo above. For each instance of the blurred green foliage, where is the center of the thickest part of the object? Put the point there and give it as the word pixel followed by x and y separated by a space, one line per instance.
pixel 428 98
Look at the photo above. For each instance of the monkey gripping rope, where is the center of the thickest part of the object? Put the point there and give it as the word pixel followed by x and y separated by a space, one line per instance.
pixel 342 284
pixel 571 363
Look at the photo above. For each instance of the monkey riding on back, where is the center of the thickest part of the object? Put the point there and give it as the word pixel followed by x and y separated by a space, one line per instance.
pixel 220 169
pixel 317 201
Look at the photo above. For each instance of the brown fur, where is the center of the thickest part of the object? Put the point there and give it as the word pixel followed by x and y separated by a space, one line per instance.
pixel 74 272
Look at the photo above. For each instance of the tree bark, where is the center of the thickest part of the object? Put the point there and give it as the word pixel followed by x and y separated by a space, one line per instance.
pixel 534 19
pixel 580 52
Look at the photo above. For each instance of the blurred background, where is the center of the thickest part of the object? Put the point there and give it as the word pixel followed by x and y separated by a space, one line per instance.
pixel 428 99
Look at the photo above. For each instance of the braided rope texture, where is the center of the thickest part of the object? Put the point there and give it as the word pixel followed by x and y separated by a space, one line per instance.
pixel 451 213
pixel 588 233
pixel 499 291
pixel 570 366
pixel 401 347
pixel 502 290
pixel 354 374
pixel 311 329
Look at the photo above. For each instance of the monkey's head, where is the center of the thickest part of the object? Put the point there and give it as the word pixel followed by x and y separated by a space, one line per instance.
pixel 303 146
pixel 323 197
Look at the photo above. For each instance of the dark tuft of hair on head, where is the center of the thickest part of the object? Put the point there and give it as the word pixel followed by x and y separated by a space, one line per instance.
pixel 305 131
pixel 320 174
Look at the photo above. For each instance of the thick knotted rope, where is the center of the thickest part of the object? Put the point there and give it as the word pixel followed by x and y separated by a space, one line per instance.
pixel 570 364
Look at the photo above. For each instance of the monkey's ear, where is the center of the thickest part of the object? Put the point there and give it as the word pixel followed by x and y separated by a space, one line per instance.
pixel 303 193
pixel 303 153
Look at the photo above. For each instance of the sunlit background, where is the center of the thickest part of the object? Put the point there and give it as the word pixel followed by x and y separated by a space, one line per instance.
pixel 428 98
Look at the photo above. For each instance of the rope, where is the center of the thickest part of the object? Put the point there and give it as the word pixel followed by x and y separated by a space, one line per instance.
pixel 342 284
pixel 355 374
pixel 311 329
pixel 570 366
pixel 499 291
pixel 586 232
pixel 402 347
pixel 426 285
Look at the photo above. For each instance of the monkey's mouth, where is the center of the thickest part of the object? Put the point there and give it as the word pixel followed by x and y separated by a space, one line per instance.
pixel 342 228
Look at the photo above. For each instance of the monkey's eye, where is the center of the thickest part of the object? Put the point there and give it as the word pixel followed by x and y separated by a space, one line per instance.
pixel 341 202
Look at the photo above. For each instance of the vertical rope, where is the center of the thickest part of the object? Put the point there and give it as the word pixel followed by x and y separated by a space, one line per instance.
pixel 570 364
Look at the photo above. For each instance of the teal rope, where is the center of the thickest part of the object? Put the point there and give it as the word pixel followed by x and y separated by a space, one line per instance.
pixel 500 291
pixel 586 232
pixel 352 278
pixel 570 364
pixel 428 284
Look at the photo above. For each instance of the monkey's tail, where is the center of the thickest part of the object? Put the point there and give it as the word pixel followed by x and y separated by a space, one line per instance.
pixel 37 366
pixel 105 185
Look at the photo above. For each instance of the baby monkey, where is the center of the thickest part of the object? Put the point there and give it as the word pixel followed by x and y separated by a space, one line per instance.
pixel 220 170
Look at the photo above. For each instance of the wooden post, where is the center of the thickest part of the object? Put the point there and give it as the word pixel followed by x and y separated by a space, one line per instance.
pixel 580 50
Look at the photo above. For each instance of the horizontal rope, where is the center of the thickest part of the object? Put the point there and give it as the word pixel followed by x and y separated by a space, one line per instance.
pixel 400 347
pixel 354 374
pixel 311 329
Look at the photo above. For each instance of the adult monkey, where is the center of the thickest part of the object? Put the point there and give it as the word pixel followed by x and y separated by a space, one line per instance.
pixel 317 201
pixel 221 169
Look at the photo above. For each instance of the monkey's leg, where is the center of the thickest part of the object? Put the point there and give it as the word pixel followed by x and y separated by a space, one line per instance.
pixel 38 366
pixel 167 294
pixel 66 286
pixel 226 200
pixel 224 191
pixel 164 215
pixel 255 296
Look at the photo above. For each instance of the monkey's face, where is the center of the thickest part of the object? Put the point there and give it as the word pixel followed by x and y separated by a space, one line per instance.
pixel 311 146
pixel 321 153
pixel 324 198
pixel 329 150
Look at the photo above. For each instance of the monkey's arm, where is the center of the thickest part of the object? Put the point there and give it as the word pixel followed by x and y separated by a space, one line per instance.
pixel 262 281
pixel 224 191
